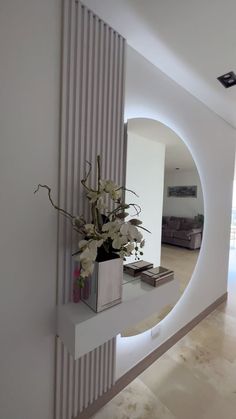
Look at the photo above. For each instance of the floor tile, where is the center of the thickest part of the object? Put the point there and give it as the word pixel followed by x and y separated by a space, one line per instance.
pixel 136 401
pixel 196 378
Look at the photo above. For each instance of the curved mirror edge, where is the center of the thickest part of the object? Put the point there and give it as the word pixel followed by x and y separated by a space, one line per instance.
pixel 161 169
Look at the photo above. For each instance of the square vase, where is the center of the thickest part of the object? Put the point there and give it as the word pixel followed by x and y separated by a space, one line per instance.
pixel 104 287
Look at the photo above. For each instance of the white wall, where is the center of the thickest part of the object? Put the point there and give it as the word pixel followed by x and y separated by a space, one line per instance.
pixel 151 94
pixel 29 119
pixel 29 125
pixel 145 176
pixel 182 207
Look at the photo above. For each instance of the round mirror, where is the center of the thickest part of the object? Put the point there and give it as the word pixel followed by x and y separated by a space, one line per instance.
pixel 161 169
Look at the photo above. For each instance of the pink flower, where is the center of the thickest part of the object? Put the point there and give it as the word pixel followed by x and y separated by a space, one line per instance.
pixel 76 273
pixel 76 294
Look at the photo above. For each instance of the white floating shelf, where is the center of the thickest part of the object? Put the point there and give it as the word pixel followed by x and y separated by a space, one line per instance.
pixel 82 330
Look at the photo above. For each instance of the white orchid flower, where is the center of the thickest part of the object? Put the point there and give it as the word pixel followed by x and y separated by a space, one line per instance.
pixel 89 228
pixel 122 253
pixel 101 205
pixel 125 229
pixel 139 237
pixel 93 196
pixel 116 194
pixel 112 226
pixel 82 243
pixel 134 233
pixel 107 226
pixel 93 246
pixel 111 188
pixel 142 244
pixel 102 184
pixel 87 268
pixel 86 255
pixel 116 243
pixel 129 248
pixel 119 241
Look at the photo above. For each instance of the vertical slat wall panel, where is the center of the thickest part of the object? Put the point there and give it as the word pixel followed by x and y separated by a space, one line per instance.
pixel 106 354
pixel 92 103
pixel 101 370
pixel 75 388
pixel 81 385
pixel 91 377
pixel 113 371
pixel 57 405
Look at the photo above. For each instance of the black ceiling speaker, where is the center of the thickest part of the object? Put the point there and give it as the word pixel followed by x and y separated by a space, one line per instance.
pixel 228 79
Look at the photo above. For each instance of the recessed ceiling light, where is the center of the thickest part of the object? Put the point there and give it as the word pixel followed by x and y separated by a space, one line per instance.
pixel 228 79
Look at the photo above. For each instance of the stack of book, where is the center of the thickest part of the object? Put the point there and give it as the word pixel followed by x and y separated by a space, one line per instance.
pixel 136 268
pixel 157 276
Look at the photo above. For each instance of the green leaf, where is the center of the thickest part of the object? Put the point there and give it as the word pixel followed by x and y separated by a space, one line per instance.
pixel 122 215
pixel 135 222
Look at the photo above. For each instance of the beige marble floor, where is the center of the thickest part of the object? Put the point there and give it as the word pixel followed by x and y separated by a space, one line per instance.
pixel 182 261
pixel 195 379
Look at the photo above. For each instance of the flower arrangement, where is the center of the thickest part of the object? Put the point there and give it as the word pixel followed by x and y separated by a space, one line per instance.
pixel 108 235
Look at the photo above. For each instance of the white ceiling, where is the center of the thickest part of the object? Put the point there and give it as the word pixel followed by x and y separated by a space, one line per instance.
pixel 177 153
pixel 192 41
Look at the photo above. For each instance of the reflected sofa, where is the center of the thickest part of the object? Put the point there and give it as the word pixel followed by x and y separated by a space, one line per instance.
pixel 182 231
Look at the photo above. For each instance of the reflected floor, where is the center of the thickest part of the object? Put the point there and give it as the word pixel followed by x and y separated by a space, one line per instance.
pixel 195 379
pixel 182 262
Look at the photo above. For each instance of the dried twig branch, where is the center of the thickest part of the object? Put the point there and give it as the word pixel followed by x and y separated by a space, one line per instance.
pixel 83 181
pixel 123 188
pixel 143 228
pixel 137 209
pixel 120 207
pixel 98 171
pixel 64 212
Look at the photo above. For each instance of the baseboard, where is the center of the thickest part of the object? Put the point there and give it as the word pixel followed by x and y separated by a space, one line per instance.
pixel 146 362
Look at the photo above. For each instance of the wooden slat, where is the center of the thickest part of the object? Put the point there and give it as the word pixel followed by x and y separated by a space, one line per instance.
pixel 92 102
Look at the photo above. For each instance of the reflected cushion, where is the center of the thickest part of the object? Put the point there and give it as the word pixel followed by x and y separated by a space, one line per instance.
pixel 167 232
pixel 181 234
pixel 188 225
pixel 174 224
